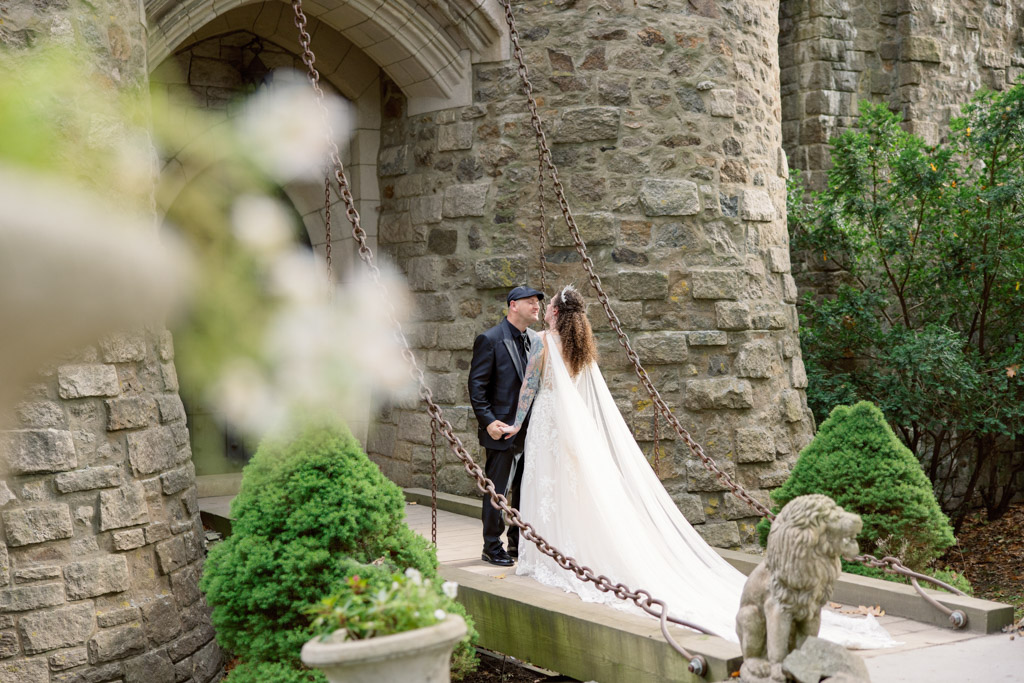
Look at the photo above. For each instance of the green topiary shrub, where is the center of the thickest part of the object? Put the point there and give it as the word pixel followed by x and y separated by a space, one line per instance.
pixel 857 460
pixel 273 672
pixel 303 507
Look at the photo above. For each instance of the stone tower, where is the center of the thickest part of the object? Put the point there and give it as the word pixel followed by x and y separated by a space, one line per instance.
pixel 665 120
pixel 102 542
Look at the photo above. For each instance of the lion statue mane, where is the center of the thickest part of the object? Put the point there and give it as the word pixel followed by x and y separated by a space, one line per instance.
pixel 780 606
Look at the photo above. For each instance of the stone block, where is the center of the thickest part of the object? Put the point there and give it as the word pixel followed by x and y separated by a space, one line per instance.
pixel 792 405
pixel 434 307
pixel 757 206
pixel 395 228
pixel 587 124
pixel 393 160
pixel 454 136
pixel 38 524
pixel 425 210
pixel 35 451
pixel 754 444
pixel 461 201
pixel 443 243
pixel 9 644
pixel 190 643
pixel 661 348
pixel 502 272
pixel 206 662
pixel 921 49
pixel 178 479
pixel 595 229
pixel 129 540
pixel 640 285
pixel 97 674
pixel 778 260
pixel 69 659
pixel 665 197
pixel 117 643
pixel 718 393
pixel 52 629
pixel 88 479
pixel 121 507
pixel 457 336
pixel 25 671
pixel 35 573
pixel 90 578
pixel 165 346
pixel 157 531
pixel 170 555
pixel 161 619
pixel 720 534
pixel 6 496
pixel 25 598
pixel 123 348
pixel 722 102
pixel 42 414
pixel 171 407
pixel 769 317
pixel 185 586
pixel 118 616
pixel 758 359
pixel 732 315
pixel 797 374
pixel 152 667
pixel 707 338
pixel 82 381
pixel 790 294
pixel 717 283
pixel 152 450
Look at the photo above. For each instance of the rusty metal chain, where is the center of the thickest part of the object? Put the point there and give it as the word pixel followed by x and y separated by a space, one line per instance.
pixel 595 281
pixel 433 480
pixel 641 598
pixel 657 447
pixel 958 618
pixel 327 231
pixel 543 228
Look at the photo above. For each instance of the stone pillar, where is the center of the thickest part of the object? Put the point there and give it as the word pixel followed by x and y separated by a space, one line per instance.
pixel 665 122
pixel 103 544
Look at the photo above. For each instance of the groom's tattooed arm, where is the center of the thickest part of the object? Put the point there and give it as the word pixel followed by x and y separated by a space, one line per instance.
pixel 531 380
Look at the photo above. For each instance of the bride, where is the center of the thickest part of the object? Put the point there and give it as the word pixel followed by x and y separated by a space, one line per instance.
pixel 588 489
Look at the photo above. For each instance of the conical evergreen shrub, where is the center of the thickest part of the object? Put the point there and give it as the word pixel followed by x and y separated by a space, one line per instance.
pixel 304 506
pixel 857 460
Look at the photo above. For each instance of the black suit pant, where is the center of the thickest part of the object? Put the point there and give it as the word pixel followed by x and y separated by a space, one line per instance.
pixel 497 468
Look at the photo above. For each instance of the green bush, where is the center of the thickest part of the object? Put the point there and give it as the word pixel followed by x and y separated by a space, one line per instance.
pixel 856 459
pixel 272 672
pixel 927 320
pixel 303 507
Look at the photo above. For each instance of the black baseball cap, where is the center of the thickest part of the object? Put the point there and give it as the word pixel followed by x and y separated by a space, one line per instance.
pixel 523 292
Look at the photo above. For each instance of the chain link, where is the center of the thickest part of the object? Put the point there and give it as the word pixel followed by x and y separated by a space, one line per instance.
pixel 433 480
pixel 327 231
pixel 543 228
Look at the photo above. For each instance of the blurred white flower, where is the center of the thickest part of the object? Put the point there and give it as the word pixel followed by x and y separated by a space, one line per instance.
pixel 299 277
pixel 262 224
pixel 414 575
pixel 244 397
pixel 450 588
pixel 440 614
pixel 72 268
pixel 287 131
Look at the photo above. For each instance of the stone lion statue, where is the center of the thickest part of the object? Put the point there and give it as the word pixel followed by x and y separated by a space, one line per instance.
pixel 780 606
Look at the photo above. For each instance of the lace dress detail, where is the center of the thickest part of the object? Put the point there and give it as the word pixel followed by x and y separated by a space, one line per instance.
pixel 590 492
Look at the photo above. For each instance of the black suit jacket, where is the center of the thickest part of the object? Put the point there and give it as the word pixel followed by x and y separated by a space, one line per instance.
pixel 495 377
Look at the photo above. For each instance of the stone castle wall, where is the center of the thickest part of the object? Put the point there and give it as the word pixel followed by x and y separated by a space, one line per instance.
pixel 923 59
pixel 665 123
pixel 102 544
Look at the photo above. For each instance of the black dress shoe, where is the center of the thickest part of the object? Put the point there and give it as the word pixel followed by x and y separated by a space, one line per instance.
pixel 499 558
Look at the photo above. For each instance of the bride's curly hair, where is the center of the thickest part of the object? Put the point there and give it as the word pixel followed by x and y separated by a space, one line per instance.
pixel 573 329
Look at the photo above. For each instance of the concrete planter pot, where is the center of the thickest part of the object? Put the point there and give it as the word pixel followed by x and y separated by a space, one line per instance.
pixel 419 656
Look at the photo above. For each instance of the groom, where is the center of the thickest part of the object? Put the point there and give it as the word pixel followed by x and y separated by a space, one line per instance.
pixel 495 377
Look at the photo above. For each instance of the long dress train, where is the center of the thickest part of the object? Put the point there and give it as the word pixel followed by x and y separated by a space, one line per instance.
pixel 588 489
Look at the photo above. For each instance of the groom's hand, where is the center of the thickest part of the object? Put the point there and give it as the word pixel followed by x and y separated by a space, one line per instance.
pixel 494 429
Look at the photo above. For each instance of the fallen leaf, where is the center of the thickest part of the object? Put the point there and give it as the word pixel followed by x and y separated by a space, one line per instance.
pixel 835 605
pixel 1011 371
pixel 500 576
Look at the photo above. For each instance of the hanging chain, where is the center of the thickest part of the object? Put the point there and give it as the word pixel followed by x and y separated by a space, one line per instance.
pixel 595 281
pixel 543 229
pixel 433 480
pixel 327 231
pixel 657 447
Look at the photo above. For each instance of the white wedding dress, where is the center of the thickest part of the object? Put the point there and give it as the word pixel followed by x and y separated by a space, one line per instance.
pixel 589 490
